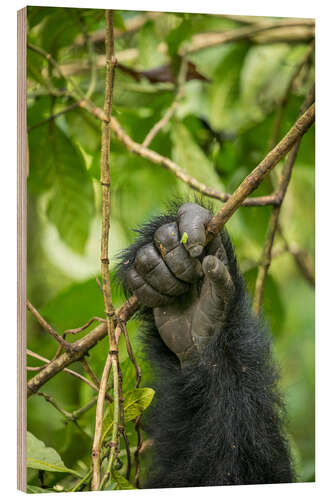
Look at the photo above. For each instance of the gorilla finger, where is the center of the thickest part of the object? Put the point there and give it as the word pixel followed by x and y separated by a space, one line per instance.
pixel 193 220
pixel 144 292
pixel 151 266
pixel 215 247
pixel 183 266
pixel 221 283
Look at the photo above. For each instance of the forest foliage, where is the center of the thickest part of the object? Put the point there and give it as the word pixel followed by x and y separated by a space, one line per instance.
pixel 221 129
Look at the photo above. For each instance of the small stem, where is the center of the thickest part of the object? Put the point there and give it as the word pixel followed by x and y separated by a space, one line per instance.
pixel 112 358
pixel 137 451
pixel 67 370
pixel 170 112
pixel 274 219
pixel 252 181
pixel 47 327
pixel 96 449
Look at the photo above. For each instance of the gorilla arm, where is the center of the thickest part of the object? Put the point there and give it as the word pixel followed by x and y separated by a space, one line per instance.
pixel 217 417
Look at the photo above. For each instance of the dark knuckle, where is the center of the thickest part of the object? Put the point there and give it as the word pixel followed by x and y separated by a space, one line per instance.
pixel 167 235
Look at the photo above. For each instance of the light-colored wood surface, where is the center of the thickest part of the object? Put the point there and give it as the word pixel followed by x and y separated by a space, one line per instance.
pixel 22 160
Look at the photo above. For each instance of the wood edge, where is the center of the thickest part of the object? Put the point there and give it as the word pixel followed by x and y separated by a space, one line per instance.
pixel 21 247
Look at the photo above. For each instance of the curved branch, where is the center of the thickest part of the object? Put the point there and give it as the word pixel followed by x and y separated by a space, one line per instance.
pixel 81 347
pixel 252 181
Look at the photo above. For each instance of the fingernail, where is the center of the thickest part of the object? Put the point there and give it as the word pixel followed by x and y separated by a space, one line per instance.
pixel 210 264
pixel 196 251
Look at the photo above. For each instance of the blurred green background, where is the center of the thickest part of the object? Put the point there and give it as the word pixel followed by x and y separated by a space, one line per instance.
pixel 222 128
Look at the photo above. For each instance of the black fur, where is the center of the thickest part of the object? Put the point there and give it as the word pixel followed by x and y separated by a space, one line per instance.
pixel 219 421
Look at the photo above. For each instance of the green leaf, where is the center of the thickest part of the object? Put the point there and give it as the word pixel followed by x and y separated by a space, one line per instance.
pixel 135 402
pixel 184 237
pixel 60 29
pixel 37 14
pixel 149 55
pixel 118 20
pixel 57 164
pixel 225 90
pixel 42 458
pixel 84 129
pixel 122 483
pixel 177 36
pixel 192 158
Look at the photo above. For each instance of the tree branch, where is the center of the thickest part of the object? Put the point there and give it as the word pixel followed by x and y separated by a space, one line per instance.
pixel 71 372
pixel 205 40
pixel 154 157
pixel 252 181
pixel 181 174
pixel 82 346
pixel 125 312
pixel 274 219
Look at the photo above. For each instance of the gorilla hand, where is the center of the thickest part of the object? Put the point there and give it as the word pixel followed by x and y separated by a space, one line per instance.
pixel 188 286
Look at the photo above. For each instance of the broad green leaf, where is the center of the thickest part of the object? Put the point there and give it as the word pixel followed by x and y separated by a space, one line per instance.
pixel 118 20
pixel 42 458
pixel 60 29
pixel 57 164
pixel 122 482
pixel 135 402
pixel 84 129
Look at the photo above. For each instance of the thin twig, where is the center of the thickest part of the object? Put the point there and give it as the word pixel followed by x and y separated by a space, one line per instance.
pixel 55 116
pixel 131 353
pixel 274 219
pixel 82 346
pixel 67 370
pixel 137 450
pixel 53 402
pixel 179 172
pixel 96 450
pixel 122 427
pixel 74 331
pixel 94 377
pixel 260 31
pixel 252 181
pixel 284 98
pixel 170 112
pixel 70 416
pixel 154 157
pixel 75 92
pixel 90 371
pixel 112 358
pixel 302 259
pixel 205 40
pixel 84 481
pixel 137 421
pixel 47 327
pixel 252 264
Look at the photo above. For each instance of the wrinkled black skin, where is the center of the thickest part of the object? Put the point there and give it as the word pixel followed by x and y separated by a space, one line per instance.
pixel 219 421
